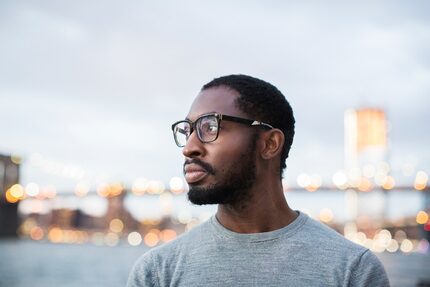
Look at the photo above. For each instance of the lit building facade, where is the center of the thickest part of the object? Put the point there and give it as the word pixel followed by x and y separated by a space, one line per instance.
pixel 366 155
pixel 365 138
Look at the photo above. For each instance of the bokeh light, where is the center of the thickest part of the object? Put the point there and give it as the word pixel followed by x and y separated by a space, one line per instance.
pixel 15 193
pixel 55 235
pixel 111 239
pixel 393 246
pixel 49 191
pixel 303 180
pixel 406 246
pixel 326 215
pixel 388 183
pixel 421 179
pixel 16 159
pixel 151 238
pixel 365 184
pixel 116 225
pixel 134 238
pixel 37 233
pixel 185 217
pixel 140 186
pixel 82 189
pixel 32 189
pixel 176 185
pixel 422 217
pixel 167 235
pixel 156 187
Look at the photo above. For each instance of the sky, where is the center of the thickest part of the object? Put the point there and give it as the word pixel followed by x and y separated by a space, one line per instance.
pixel 89 89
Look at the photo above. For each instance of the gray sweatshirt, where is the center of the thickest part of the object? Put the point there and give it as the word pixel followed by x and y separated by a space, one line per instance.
pixel 304 253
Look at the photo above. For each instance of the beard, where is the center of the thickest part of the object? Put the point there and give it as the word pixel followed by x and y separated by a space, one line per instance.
pixel 234 188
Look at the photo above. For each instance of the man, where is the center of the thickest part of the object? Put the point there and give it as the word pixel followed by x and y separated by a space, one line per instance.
pixel 235 140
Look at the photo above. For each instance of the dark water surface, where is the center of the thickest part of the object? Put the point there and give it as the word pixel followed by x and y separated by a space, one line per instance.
pixel 26 263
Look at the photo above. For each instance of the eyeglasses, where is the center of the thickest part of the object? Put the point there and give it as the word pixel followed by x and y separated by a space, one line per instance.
pixel 207 127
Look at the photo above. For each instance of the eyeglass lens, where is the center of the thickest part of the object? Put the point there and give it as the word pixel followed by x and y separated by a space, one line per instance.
pixel 181 133
pixel 206 126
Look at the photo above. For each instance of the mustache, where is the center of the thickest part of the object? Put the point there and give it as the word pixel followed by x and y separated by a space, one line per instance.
pixel 207 167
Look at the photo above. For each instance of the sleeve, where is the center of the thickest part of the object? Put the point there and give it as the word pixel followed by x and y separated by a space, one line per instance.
pixel 369 272
pixel 143 273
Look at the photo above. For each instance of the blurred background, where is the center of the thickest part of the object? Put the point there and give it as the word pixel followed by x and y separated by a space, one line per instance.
pixel 90 177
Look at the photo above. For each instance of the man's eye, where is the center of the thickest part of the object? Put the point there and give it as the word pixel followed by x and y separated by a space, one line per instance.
pixel 209 128
pixel 213 128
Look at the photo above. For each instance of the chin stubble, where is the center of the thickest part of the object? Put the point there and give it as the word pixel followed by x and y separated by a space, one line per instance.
pixel 234 189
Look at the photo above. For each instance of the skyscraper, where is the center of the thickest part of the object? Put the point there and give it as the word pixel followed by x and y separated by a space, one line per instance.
pixel 365 137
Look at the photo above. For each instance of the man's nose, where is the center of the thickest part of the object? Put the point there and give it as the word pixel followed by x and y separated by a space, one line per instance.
pixel 193 147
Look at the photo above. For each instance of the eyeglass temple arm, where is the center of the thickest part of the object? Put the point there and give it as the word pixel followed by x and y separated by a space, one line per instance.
pixel 244 121
pixel 182 131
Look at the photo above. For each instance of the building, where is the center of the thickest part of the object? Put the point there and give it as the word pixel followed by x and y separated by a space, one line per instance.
pixel 9 176
pixel 365 138
pixel 366 161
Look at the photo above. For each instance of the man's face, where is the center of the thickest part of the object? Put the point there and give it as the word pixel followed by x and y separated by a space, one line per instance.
pixel 220 172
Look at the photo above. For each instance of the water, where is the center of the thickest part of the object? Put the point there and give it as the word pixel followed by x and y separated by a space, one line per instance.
pixel 36 264
pixel 25 263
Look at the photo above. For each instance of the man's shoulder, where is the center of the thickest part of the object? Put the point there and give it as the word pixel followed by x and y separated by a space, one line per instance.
pixel 328 248
pixel 325 238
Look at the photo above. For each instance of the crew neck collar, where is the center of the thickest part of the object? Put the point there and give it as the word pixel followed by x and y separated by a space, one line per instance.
pixel 288 230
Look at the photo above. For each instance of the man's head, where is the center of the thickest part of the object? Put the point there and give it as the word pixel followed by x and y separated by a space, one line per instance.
pixel 261 101
pixel 225 155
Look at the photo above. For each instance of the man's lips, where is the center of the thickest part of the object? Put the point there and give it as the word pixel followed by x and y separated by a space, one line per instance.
pixel 194 173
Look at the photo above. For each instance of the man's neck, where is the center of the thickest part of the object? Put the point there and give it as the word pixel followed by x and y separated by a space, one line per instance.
pixel 266 210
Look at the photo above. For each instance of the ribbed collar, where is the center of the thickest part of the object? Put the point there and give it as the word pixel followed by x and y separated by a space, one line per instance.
pixel 288 230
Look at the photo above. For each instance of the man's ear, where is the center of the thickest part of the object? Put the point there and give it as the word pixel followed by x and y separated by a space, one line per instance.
pixel 272 143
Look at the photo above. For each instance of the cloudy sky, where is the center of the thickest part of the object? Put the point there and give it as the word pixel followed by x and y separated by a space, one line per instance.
pixel 93 86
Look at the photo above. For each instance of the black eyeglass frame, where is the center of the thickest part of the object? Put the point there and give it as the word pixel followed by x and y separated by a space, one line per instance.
pixel 219 117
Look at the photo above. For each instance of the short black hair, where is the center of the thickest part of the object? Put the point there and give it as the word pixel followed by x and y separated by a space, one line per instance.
pixel 263 102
